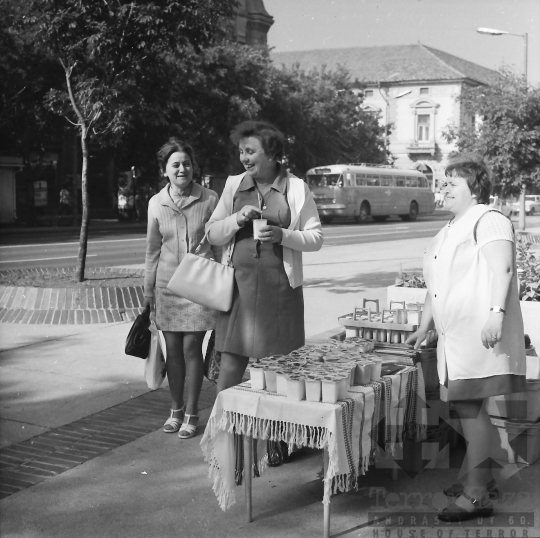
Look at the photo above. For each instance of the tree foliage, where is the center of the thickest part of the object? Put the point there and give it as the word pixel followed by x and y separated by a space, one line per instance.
pixel 507 131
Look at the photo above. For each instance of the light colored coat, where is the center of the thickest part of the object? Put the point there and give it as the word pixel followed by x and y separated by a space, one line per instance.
pixel 304 233
pixel 172 233
pixel 459 281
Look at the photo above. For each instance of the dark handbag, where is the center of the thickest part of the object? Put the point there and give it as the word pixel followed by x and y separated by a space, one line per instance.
pixel 138 339
pixel 212 360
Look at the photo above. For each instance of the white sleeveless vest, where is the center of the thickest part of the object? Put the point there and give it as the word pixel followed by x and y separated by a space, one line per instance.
pixel 459 280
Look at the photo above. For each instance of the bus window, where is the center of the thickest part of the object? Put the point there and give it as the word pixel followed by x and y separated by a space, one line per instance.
pixel 423 183
pixel 372 180
pixel 412 182
pixel 349 180
pixel 360 179
pixel 328 180
pixel 399 181
pixel 387 181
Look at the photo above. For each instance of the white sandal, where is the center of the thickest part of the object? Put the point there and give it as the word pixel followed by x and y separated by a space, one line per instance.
pixel 172 424
pixel 187 430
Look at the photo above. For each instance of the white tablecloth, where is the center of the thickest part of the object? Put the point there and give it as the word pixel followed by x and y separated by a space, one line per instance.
pixel 348 429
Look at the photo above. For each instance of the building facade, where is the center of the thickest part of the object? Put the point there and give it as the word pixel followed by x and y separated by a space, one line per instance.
pixel 414 90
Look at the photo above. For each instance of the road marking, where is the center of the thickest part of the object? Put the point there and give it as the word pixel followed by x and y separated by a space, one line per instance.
pixel 47 259
pixel 67 244
pixel 359 236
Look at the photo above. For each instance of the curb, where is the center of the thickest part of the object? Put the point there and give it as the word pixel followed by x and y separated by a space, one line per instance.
pixel 70 306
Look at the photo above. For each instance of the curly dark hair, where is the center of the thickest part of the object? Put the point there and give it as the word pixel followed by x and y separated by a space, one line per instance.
pixel 272 140
pixel 172 146
pixel 472 167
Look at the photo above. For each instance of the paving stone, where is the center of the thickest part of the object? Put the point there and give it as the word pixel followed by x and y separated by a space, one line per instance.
pixel 57 316
pixel 15 480
pixel 90 298
pixel 6 294
pixel 119 298
pixel 30 298
pixel 42 315
pixel 54 298
pixel 116 315
pixel 8 297
pixel 73 456
pixel 98 300
pixel 58 462
pixel 18 451
pixel 27 316
pixel 29 469
pixel 108 316
pixel 49 317
pixel 79 317
pixel 64 317
pixel 8 490
pixel 54 469
pixel 69 299
pixel 46 298
pixel 19 315
pixel 18 298
pixel 61 302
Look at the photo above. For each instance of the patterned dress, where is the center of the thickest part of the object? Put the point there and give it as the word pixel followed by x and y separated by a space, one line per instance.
pixel 177 314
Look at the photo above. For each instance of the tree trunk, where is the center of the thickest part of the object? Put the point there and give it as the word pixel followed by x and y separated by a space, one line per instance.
pixel 522 209
pixel 83 238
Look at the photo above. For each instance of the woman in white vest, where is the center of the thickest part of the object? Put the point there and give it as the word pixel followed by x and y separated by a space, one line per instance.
pixel 267 314
pixel 470 272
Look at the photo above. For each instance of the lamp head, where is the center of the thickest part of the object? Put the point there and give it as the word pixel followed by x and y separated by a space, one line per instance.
pixel 490 31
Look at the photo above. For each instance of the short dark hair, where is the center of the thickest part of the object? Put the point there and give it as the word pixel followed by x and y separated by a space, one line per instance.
pixel 472 167
pixel 172 146
pixel 272 140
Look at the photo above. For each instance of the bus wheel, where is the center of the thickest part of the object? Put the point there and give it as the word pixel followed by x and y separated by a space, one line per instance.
pixel 413 212
pixel 326 220
pixel 380 218
pixel 363 215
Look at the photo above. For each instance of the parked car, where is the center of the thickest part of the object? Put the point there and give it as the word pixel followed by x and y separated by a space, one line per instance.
pixel 532 205
pixel 498 203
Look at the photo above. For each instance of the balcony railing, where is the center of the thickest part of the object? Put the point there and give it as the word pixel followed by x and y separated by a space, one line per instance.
pixel 422 147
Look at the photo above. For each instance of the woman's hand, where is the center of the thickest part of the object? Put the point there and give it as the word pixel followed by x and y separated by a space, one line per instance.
pixel 150 301
pixel 417 337
pixel 247 213
pixel 492 331
pixel 271 234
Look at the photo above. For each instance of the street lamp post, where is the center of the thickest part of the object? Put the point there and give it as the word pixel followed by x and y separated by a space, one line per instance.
pixel 525 36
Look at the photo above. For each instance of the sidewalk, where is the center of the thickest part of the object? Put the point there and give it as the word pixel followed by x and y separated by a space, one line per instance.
pixel 78 421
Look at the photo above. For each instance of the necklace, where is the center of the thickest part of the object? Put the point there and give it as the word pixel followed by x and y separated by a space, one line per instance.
pixel 262 200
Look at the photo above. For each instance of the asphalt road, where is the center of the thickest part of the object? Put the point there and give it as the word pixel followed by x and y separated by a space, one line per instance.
pixel 125 244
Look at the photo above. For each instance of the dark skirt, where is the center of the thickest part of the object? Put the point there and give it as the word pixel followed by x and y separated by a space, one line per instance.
pixel 480 388
pixel 267 314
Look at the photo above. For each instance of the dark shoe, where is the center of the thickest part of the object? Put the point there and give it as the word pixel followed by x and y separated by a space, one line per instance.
pixel 455 513
pixel 455 490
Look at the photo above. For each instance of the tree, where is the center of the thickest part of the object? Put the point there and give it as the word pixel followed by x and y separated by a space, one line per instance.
pixel 507 133
pixel 321 114
pixel 112 53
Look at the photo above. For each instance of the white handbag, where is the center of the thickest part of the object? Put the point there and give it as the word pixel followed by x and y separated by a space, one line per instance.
pixel 203 281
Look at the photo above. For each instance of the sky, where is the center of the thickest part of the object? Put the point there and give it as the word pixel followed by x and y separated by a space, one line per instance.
pixel 448 25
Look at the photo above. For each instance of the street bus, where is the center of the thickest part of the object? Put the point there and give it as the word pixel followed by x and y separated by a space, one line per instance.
pixel 362 190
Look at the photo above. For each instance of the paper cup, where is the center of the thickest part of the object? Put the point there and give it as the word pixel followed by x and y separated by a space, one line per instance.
pixel 257 225
pixel 296 388
pixel 313 389
pixel 281 382
pixel 257 377
pixel 329 390
pixel 376 376
pixel 362 374
pixel 270 378
pixel 343 386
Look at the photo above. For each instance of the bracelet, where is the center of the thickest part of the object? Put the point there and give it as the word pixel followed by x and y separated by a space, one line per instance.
pixel 497 309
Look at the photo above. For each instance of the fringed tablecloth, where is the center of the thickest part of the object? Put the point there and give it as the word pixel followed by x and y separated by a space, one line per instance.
pixel 347 429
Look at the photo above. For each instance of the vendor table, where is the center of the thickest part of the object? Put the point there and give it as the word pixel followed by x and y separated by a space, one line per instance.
pixel 347 431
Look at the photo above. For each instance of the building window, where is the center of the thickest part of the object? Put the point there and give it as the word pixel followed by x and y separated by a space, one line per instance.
pixel 424 91
pixel 368 93
pixel 423 124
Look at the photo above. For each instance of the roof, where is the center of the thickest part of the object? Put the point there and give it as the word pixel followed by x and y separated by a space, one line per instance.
pixel 390 63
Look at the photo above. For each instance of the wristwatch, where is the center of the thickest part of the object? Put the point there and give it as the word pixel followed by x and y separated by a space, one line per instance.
pixel 497 309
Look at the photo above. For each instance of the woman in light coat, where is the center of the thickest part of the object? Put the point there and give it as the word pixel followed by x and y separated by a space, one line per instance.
pixel 470 273
pixel 176 219
pixel 267 315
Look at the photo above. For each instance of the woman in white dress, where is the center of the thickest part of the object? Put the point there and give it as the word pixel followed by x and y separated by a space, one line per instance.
pixel 473 301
